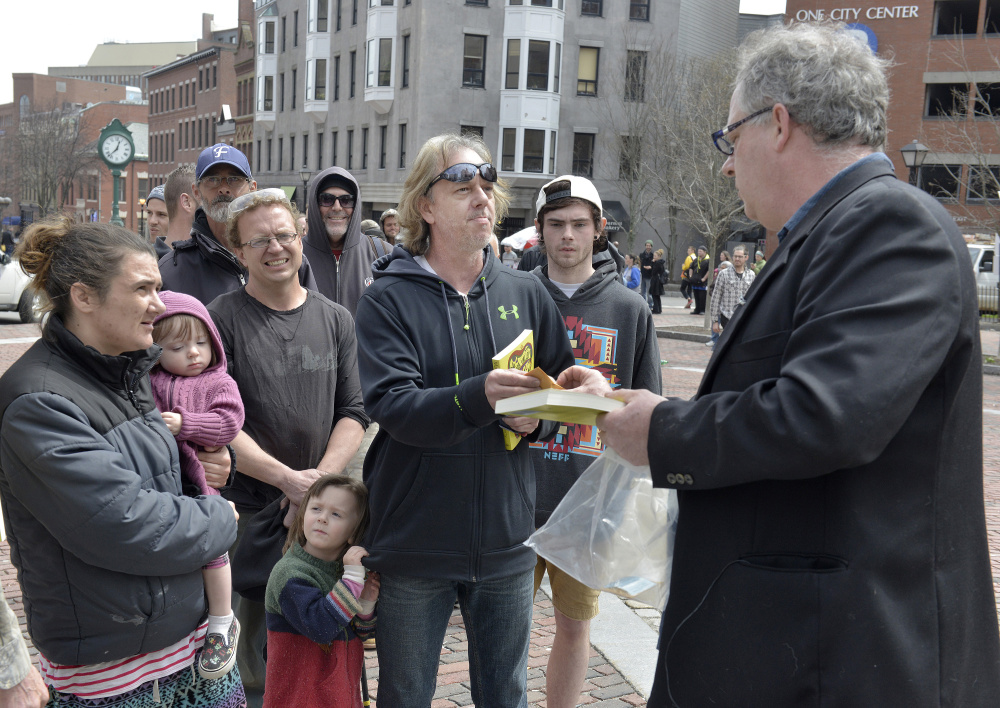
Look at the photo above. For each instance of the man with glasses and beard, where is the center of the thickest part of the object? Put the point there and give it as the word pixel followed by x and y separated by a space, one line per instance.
pixel 204 266
pixel 450 505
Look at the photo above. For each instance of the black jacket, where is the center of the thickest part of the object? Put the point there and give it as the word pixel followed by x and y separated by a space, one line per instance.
pixel 447 499
pixel 831 548
pixel 204 269
pixel 108 551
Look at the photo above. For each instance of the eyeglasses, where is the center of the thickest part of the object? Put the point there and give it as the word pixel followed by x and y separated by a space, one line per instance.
pixel 265 241
pixel 233 181
pixel 328 199
pixel 245 200
pixel 719 136
pixel 466 172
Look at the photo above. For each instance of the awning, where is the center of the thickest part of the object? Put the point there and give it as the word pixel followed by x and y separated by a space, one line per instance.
pixel 289 192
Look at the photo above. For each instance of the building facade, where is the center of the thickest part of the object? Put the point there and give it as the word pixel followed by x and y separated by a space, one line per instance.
pixel 361 84
pixel 945 93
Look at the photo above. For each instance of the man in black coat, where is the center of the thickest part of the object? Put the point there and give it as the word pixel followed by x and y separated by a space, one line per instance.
pixel 831 546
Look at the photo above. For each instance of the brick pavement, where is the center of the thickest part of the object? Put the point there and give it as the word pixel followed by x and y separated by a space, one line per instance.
pixel 605 688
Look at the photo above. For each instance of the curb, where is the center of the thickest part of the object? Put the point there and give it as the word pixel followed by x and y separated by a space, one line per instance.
pixel 684 336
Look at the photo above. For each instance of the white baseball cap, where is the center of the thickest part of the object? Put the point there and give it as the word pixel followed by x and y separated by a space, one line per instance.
pixel 579 187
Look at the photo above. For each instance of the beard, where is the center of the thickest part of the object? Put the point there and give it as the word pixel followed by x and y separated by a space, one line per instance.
pixel 218 210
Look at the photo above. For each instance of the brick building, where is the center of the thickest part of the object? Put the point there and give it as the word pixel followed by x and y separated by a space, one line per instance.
pixel 236 127
pixel 186 99
pixel 945 92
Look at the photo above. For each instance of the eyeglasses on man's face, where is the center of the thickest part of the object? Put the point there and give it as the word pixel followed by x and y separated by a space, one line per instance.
pixel 265 241
pixel 466 172
pixel 328 199
pixel 719 136
pixel 234 181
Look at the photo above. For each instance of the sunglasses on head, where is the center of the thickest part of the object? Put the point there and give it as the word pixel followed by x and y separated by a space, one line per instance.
pixel 328 199
pixel 466 172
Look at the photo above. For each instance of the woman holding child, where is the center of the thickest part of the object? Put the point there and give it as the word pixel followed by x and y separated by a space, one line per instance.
pixel 108 550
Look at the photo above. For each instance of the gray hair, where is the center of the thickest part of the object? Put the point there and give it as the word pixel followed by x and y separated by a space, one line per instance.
pixel 741 247
pixel 830 82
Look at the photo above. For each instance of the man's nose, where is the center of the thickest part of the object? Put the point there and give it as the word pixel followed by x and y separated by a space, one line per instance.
pixel 728 168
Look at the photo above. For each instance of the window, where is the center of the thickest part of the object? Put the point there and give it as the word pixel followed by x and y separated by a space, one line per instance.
pixel 945 99
pixel 295 29
pixel 555 68
pixel 215 75
pixel 635 76
pixel 474 64
pixel 476 130
pixel 406 61
pixel 513 63
pixel 269 38
pixel 364 148
pixel 984 184
pixel 987 101
pixel 628 157
pixel 538 66
pixel 955 17
pixel 992 25
pixel 295 86
pixel 291 152
pixel 268 93
pixel 281 92
pixel 339 8
pixel 350 149
pixel 639 10
pixel 940 181
pixel 483 3
pixel 322 15
pixel 333 147
pixel 319 151
pixel 382 130
pixel 199 143
pixel 354 66
pixel 200 79
pixel 402 146
pixel 281 153
pixel 354 13
pixel 534 150
pixel 305 150
pixel 284 31
pixel 384 61
pixel 257 166
pixel 594 8
pixel 586 73
pixel 336 78
pixel 269 154
pixel 508 149
pixel 552 152
pixel 320 80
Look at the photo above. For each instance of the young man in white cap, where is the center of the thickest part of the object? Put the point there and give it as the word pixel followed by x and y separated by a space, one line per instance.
pixel 611 330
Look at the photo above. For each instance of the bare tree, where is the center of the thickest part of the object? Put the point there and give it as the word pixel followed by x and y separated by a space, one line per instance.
pixel 49 150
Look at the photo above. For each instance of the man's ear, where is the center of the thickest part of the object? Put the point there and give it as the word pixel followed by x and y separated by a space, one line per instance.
pixel 187 202
pixel 424 205
pixel 782 126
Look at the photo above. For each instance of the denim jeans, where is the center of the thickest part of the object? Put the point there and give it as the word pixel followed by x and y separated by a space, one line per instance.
pixel 413 615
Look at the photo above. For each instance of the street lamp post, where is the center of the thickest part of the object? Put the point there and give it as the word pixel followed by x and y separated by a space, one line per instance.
pixel 913 157
pixel 142 217
pixel 304 176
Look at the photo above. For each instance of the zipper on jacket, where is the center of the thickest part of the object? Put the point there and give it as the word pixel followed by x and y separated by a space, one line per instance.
pixel 336 272
pixel 465 299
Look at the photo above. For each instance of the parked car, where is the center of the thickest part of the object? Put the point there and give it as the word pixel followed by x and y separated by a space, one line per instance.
pixel 983 257
pixel 14 293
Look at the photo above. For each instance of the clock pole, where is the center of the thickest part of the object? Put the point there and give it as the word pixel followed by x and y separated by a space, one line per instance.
pixel 116 185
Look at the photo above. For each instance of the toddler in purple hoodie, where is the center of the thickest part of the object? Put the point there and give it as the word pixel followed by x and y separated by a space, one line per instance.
pixel 201 405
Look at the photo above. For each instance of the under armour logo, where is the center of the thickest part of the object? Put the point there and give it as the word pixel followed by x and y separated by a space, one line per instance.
pixel 220 151
pixel 511 311
pixel 369 280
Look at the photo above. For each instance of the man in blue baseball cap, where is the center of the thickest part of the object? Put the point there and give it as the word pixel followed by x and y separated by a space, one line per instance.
pixel 203 266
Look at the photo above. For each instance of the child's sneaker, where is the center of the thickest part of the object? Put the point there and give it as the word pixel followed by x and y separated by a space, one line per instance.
pixel 218 656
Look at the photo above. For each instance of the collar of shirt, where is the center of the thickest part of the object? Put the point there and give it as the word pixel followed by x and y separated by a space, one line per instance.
pixel 811 202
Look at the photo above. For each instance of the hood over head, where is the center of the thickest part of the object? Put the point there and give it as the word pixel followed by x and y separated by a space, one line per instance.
pixel 331 177
pixel 181 304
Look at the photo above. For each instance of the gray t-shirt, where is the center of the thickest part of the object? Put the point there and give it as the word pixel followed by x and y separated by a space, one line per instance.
pixel 297 372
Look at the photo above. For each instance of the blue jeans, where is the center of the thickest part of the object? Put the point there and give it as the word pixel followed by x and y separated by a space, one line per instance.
pixel 413 615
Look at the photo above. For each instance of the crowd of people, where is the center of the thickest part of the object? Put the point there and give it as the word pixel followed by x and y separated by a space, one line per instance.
pixel 203 394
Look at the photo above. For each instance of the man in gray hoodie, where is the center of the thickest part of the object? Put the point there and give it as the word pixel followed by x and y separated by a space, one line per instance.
pixel 341 256
pixel 611 330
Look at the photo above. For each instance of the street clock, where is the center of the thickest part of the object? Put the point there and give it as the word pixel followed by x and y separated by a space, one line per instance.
pixel 115 145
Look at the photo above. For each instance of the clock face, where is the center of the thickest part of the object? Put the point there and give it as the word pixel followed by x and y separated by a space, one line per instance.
pixel 117 149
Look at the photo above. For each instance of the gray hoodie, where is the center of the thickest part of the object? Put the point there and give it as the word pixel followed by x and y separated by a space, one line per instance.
pixel 342 280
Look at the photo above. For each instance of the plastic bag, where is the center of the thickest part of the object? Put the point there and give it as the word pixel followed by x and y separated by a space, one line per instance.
pixel 613 531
